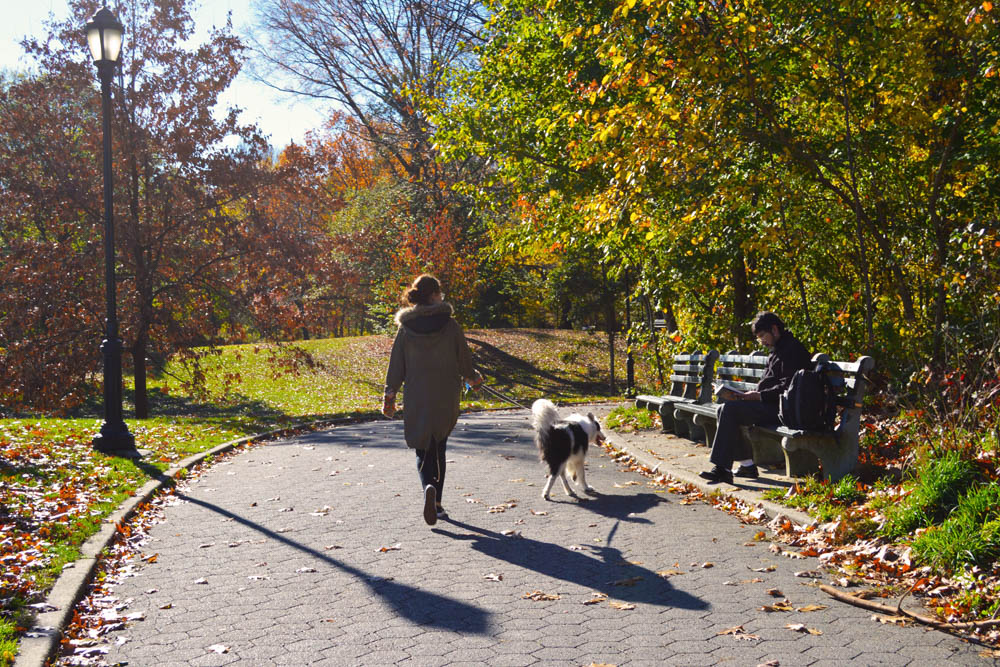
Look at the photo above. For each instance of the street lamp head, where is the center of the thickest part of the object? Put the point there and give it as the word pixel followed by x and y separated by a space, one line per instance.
pixel 104 35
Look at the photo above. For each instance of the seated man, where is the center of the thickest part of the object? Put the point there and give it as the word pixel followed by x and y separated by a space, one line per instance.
pixel 755 407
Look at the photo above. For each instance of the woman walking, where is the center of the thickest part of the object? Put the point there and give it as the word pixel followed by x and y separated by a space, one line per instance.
pixel 431 357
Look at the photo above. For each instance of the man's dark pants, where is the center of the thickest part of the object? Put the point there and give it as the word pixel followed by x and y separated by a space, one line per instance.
pixel 728 445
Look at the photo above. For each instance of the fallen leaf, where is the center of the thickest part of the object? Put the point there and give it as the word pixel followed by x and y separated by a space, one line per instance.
pixel 707 565
pixel 669 573
pixel 623 606
pixel 542 513
pixel 893 620
pixel 769 568
pixel 218 648
pixel 493 577
pixel 206 545
pixel 769 663
pixel 775 593
pixel 597 599
pixel 812 607
pixel 168 605
pixel 800 627
pixel 306 569
pixel 778 606
pixel 810 574
pixel 540 596
pixel 738 632
pixel 632 581
pixel 201 581
pixel 398 546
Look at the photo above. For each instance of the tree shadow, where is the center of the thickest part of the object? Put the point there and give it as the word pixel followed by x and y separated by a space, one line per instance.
pixel 599 568
pixel 508 369
pixel 418 606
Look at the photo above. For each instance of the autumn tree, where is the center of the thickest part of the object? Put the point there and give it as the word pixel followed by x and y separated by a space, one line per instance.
pixel 200 259
pixel 828 161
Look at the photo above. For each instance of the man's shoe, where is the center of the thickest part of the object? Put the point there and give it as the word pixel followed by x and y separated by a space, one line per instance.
pixel 750 471
pixel 430 505
pixel 718 474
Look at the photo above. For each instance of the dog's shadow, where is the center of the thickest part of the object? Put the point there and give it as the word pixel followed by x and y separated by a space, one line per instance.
pixel 613 506
pixel 596 568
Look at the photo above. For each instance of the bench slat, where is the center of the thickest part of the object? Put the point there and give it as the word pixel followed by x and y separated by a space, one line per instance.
pixel 752 359
pixel 689 369
pixel 690 357
pixel 729 371
pixel 685 379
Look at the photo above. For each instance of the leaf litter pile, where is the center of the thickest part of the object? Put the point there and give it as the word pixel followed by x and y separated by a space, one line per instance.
pixel 874 567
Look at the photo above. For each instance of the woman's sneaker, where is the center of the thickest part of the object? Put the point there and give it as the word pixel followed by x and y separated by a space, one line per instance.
pixel 430 505
pixel 441 514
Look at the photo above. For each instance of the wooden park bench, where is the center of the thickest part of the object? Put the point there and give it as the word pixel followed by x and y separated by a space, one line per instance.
pixel 803 452
pixel 837 450
pixel 736 371
pixel 690 382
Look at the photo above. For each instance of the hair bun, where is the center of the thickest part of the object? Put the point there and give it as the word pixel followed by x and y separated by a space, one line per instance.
pixel 423 288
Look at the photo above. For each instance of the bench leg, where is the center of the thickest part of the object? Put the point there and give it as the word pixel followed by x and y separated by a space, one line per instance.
pixel 766 451
pixel 804 456
pixel 682 423
pixel 703 428
pixel 666 412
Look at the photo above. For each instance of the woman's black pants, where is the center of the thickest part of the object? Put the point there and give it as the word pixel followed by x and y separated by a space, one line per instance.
pixel 431 466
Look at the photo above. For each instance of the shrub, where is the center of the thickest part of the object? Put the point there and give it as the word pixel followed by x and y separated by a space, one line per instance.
pixel 937 487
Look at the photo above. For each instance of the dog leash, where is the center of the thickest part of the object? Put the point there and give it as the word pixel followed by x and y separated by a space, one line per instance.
pixel 502 397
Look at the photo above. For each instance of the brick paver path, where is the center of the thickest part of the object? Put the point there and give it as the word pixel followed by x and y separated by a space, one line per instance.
pixel 313 551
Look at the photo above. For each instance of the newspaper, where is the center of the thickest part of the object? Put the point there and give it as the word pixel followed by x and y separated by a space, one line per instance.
pixel 725 391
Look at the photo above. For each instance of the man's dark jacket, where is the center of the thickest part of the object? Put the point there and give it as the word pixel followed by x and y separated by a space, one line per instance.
pixel 788 356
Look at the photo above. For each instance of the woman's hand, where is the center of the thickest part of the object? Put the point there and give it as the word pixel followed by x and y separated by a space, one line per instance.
pixel 389 406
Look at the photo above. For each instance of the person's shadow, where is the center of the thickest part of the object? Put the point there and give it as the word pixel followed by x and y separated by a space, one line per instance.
pixel 598 568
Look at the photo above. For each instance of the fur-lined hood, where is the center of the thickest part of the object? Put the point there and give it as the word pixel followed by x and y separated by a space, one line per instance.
pixel 407 315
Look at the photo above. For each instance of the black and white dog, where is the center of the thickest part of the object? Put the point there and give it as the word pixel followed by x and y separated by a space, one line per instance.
pixel 562 443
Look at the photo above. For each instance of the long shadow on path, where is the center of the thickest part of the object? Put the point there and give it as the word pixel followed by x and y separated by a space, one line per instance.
pixel 418 606
pixel 601 568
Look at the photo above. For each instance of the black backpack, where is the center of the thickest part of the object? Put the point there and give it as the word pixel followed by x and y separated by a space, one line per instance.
pixel 810 402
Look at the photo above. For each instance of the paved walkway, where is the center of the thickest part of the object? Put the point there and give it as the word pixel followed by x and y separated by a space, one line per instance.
pixel 313 551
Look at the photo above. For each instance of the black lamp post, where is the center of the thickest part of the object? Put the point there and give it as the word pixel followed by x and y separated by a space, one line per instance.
pixel 104 35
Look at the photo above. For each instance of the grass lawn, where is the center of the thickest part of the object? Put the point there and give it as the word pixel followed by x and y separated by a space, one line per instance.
pixel 55 490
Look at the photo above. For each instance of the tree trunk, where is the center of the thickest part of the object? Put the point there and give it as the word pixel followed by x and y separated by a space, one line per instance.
pixel 139 371
pixel 743 301
pixel 941 293
pixel 652 337
pixel 611 324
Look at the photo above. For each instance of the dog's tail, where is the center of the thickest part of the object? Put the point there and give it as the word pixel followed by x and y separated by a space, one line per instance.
pixel 543 414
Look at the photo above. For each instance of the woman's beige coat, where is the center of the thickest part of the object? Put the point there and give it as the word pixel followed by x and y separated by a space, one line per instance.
pixel 431 357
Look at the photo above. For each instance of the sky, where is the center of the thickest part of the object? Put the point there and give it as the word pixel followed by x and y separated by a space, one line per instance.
pixel 284 118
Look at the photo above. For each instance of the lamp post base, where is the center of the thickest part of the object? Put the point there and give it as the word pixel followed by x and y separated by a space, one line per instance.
pixel 115 440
